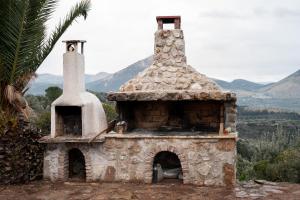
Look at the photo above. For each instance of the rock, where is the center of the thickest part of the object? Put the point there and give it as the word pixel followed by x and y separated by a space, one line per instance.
pixel 166 49
pixel 174 52
pixel 256 195
pixel 135 160
pixel 209 182
pixel 110 173
pixel 272 190
pixel 206 158
pixel 204 169
pixel 177 34
pixel 226 145
pixel 179 44
pixel 165 33
pixel 229 174
pixel 178 59
pixel 169 42
pixel 165 56
pixel 241 194
pixel 196 86
pixel 297 192
pixel 138 87
pixel 264 182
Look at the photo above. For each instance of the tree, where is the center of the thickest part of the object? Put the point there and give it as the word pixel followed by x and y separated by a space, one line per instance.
pixel 24 45
pixel 53 93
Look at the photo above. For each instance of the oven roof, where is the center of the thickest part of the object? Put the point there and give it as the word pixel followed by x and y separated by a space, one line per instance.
pixel 171 96
pixel 170 83
pixel 165 78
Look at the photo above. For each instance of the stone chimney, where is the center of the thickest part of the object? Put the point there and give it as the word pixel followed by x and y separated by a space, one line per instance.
pixel 76 113
pixel 169 48
pixel 169 70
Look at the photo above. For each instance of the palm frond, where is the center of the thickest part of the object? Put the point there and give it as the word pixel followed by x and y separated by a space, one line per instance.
pixel 33 35
pixel 23 43
pixel 80 9
pixel 10 93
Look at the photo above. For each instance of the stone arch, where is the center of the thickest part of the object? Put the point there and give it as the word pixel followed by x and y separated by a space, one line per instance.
pixel 63 159
pixel 150 159
pixel 76 166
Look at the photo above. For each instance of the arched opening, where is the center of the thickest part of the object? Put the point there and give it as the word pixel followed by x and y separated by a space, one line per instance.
pixel 166 168
pixel 76 165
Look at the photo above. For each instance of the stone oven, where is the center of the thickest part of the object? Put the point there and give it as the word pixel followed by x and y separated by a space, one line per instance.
pixel 170 97
pixel 76 112
pixel 180 111
pixel 173 124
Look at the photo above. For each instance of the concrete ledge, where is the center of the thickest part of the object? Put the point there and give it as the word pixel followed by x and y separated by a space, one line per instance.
pixel 175 95
pixel 61 139
pixel 147 136
pixel 101 139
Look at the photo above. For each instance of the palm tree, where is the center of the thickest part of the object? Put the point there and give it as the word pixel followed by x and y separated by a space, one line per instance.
pixel 24 45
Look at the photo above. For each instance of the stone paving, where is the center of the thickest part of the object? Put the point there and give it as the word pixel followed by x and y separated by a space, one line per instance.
pixel 42 190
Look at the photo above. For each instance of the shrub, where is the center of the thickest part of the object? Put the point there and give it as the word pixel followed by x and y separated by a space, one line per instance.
pixel 43 122
pixel 274 157
pixel 286 167
pixel 260 168
pixel 246 149
pixel 244 169
pixel 110 111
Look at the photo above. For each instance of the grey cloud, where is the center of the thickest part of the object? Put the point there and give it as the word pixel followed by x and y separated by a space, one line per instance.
pixel 259 11
pixel 257 40
pixel 286 12
pixel 222 14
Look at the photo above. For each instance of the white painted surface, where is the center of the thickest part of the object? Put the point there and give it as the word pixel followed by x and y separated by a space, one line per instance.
pixel 74 94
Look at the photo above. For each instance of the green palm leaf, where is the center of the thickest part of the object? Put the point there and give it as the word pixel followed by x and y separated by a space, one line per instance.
pixel 23 42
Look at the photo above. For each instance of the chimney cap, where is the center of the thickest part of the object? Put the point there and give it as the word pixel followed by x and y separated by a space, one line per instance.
pixel 168 19
pixel 74 41
pixel 72 45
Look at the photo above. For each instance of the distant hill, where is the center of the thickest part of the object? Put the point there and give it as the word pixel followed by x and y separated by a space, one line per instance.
pixel 39 84
pixel 239 85
pixel 286 88
pixel 114 81
pixel 101 75
pixel 284 94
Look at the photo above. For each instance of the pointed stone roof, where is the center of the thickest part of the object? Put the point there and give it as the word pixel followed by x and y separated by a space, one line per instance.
pixel 169 77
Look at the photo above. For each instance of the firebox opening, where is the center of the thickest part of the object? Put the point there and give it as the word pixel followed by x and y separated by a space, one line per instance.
pixel 168 26
pixel 68 120
pixel 166 165
pixel 76 165
pixel 172 117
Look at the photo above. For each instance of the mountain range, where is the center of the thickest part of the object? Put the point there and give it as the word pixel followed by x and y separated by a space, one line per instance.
pixel 284 94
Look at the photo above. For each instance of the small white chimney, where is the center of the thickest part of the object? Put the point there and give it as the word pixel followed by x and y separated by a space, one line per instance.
pixel 76 113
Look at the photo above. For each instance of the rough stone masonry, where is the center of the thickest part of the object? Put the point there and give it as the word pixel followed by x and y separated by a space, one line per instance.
pixel 198 120
pixel 209 161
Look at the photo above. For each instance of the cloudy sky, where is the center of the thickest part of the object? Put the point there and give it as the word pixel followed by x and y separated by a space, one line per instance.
pixel 257 40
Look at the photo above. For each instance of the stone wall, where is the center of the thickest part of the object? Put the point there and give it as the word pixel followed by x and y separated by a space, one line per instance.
pixel 204 161
pixel 151 115
pixel 196 115
pixel 230 115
